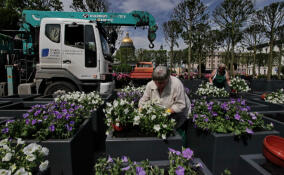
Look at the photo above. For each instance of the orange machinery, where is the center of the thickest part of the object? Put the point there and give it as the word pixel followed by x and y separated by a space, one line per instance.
pixel 142 70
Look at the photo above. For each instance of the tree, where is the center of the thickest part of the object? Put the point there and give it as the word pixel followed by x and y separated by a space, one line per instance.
pixel 231 16
pixel 280 41
pixel 89 5
pixel 189 13
pixel 172 31
pixel 55 5
pixel 213 41
pixel 271 17
pixel 252 37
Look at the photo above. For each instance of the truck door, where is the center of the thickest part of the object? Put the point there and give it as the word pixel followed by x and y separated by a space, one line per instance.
pixel 50 45
pixel 80 51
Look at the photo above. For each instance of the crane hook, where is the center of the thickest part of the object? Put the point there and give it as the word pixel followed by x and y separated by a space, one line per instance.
pixel 151 45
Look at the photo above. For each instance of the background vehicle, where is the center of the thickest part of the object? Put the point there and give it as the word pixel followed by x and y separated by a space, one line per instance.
pixel 66 50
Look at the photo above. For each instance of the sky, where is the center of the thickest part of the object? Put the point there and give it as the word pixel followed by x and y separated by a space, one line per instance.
pixel 161 10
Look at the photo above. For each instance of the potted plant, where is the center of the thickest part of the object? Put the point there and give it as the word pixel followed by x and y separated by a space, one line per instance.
pixel 276 97
pixel 21 158
pixel 146 128
pixel 64 127
pixel 238 85
pixel 209 90
pixel 220 132
pixel 131 93
pixel 179 162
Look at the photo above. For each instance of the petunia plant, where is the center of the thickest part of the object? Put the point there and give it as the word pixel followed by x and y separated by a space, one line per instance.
pixel 51 121
pixel 119 113
pixel 90 101
pixel 233 116
pixel 239 85
pixel 180 163
pixel 276 97
pixel 210 90
pixel 131 93
pixel 155 119
pixel 20 158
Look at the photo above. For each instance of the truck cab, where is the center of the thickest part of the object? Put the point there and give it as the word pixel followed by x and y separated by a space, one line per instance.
pixel 142 70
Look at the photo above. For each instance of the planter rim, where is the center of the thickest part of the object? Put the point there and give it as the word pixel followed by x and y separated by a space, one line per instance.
pixel 232 134
pixel 249 159
pixel 111 138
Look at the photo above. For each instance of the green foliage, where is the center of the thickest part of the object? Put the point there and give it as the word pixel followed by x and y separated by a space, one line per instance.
pixel 122 68
pixel 89 6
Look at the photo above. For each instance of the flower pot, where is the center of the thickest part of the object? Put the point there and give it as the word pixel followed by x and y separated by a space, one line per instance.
pixel 263 96
pixel 276 118
pixel 72 156
pixel 221 151
pixel 257 164
pixel 117 128
pixel 142 148
pixel 273 149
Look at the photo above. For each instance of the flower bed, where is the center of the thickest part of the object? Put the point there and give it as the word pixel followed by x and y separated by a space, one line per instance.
pixel 276 97
pixel 221 132
pixel 20 158
pixel 210 90
pixel 131 93
pixel 239 85
pixel 179 163
pixel 233 116
pixel 152 119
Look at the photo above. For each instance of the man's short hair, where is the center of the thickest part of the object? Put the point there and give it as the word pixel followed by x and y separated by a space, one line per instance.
pixel 161 73
pixel 222 65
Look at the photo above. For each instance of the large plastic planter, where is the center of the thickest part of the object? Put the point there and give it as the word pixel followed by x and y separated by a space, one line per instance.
pixel 16 98
pixel 72 156
pixel 17 109
pixel 221 151
pixel 251 164
pixel 266 85
pixel 3 103
pixel 275 117
pixel 142 148
pixel 272 106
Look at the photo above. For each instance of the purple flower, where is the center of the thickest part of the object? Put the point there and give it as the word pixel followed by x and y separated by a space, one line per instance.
pixel 214 114
pixel 249 131
pixel 59 116
pixel 34 122
pixel 243 102
pixel 206 119
pixel 244 109
pixel 37 113
pixel 72 122
pixel 180 170
pixel 187 153
pixel 69 128
pixel 233 101
pixel 124 159
pixel 224 106
pixel 250 122
pixel 109 160
pixel 45 117
pixel 172 150
pixel 227 117
pixel 5 130
pixel 27 121
pixel 253 116
pixel 209 108
pixel 26 115
pixel 178 153
pixel 237 116
pixel 51 128
pixel 248 107
pixel 126 168
pixel 140 171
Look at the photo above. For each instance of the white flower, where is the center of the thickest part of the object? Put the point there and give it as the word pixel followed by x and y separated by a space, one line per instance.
pixel 45 151
pixel 7 157
pixel 5 172
pixel 3 142
pixel 21 171
pixel 157 128
pixel 13 167
pixel 117 124
pixel 20 141
pixel 153 117
pixel 31 148
pixel 115 103
pixel 43 166
pixel 136 120
pixel 31 157
pixel 107 132
pixel 164 136
pixel 126 111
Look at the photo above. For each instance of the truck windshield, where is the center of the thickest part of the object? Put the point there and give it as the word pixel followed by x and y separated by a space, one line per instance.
pixel 105 47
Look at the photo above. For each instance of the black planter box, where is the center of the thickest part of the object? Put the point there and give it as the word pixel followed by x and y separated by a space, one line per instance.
pixel 277 118
pixel 48 98
pixel 142 148
pixel 16 98
pixel 17 109
pixel 251 164
pixel 3 103
pixel 72 156
pixel 271 106
pixel 203 170
pixel 192 85
pixel 221 151
pixel 266 85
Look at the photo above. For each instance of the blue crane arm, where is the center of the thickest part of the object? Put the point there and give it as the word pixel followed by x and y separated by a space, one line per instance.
pixel 134 18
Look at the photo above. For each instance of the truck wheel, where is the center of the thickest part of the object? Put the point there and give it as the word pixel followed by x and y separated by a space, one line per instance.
pixel 60 85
